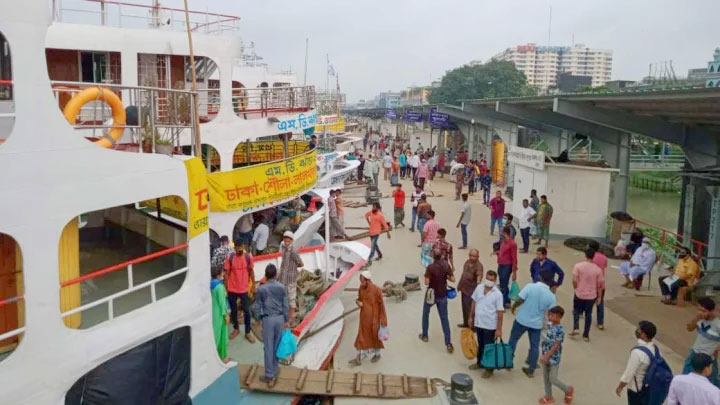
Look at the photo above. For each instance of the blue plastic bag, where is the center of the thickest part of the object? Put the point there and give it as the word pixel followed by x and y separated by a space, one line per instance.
pixel 287 346
pixel 514 293
pixel 383 333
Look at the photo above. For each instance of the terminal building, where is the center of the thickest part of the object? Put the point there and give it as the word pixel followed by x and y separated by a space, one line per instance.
pixel 542 64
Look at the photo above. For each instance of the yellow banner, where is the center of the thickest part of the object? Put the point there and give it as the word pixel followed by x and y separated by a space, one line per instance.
pixel 175 206
pixel 263 151
pixel 256 186
pixel 338 126
pixel 198 195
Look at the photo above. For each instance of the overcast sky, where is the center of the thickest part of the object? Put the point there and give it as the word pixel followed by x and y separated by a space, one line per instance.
pixel 392 44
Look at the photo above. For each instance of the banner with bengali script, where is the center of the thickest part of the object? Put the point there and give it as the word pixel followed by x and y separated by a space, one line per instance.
pixel 198 194
pixel 332 126
pixel 264 184
pixel 263 151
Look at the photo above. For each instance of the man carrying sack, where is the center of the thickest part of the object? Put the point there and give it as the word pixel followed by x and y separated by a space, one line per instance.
pixel 486 315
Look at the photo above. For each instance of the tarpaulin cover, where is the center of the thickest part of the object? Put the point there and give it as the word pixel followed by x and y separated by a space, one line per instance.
pixel 156 372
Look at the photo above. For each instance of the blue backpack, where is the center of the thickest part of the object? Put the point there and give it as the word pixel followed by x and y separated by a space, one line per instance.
pixel 657 379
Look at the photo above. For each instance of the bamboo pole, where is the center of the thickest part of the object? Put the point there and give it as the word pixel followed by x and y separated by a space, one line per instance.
pixel 198 150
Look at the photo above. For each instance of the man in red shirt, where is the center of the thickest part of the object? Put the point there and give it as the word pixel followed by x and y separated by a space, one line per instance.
pixel 377 222
pixel 399 205
pixel 497 211
pixel 507 264
pixel 239 275
pixel 601 261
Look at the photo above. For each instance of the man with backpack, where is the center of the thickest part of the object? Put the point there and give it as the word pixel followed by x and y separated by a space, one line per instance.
pixel 239 276
pixel 647 375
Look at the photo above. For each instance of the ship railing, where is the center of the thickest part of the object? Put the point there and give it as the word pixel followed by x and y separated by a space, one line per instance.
pixel 132 15
pixel 159 116
pixel 132 287
pixel 258 102
pixel 16 331
pixel 669 243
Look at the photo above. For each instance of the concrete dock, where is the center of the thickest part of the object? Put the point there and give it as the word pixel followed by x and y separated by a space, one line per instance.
pixel 593 368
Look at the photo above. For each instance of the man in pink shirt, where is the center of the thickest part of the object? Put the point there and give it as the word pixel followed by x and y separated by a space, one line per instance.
pixel 423 173
pixel 588 281
pixel 497 211
pixel 601 261
pixel 429 237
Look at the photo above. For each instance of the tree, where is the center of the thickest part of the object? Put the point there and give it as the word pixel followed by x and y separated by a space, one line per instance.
pixel 489 80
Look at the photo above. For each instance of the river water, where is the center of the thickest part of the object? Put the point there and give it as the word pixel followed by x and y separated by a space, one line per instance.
pixel 659 209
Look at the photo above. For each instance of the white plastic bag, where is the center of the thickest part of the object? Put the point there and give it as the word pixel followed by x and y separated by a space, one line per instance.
pixel 383 333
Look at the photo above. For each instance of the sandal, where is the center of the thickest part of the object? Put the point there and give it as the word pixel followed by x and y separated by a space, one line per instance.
pixel 546 400
pixel 354 363
pixel 450 348
pixel 569 395
pixel 423 338
pixel 375 359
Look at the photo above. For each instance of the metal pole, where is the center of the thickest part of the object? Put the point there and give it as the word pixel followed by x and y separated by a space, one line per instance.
pixel 327 239
pixel 306 60
pixel 198 151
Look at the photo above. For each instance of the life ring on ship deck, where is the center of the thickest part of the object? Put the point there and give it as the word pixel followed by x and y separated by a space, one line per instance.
pixel 73 107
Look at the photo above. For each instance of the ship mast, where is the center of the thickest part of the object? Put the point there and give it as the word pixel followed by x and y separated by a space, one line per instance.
pixel 196 118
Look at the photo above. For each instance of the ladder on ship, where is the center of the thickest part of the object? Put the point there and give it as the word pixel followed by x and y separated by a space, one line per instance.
pixel 291 380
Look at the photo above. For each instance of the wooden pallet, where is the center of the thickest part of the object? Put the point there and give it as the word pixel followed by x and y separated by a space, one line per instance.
pixel 292 380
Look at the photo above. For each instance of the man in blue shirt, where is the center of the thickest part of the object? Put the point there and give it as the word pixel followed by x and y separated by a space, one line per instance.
pixel 273 309
pixel 541 264
pixel 535 299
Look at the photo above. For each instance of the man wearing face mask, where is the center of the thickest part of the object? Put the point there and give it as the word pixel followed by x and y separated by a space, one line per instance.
pixel 684 275
pixel 641 263
pixel 486 315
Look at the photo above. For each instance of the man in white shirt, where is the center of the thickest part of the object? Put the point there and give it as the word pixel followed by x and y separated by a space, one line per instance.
pixel 414 164
pixel 637 365
pixel 695 388
pixel 464 220
pixel 260 238
pixel 387 165
pixel 486 314
pixel 525 219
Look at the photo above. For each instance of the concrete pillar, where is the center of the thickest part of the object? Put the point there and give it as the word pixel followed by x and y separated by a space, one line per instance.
pixel 489 145
pixel 617 155
pixel 510 177
pixel 713 252
pixel 471 140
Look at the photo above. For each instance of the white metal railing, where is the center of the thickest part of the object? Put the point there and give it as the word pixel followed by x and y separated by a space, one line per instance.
pixel 658 159
pixel 162 113
pixel 254 102
pixel 132 15
pixel 12 333
pixel 110 299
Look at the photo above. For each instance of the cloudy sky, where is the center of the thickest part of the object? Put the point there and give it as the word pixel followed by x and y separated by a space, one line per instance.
pixel 391 44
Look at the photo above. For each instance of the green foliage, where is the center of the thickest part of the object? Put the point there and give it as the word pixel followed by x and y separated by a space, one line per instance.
pixel 595 90
pixel 489 80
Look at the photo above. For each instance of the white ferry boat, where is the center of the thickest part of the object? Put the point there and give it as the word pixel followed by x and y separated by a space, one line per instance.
pixel 98 155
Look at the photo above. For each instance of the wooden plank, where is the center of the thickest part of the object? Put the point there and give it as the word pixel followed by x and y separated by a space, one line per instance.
pixel 429 385
pixel 380 385
pixel 251 374
pixel 338 383
pixel 301 380
pixel 330 380
pixel 358 382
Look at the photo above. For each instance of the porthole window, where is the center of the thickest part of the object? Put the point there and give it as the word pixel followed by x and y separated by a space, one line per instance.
pixel 12 301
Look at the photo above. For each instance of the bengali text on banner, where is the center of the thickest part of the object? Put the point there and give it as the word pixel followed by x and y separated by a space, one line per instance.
pixel 260 185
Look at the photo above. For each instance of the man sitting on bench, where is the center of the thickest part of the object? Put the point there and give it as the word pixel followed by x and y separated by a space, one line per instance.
pixel 683 277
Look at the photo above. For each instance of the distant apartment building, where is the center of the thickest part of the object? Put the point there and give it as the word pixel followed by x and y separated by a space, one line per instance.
pixel 415 96
pixel 542 64
pixel 388 100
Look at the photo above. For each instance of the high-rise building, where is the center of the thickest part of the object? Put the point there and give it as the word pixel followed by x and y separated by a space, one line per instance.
pixel 388 100
pixel 713 70
pixel 542 64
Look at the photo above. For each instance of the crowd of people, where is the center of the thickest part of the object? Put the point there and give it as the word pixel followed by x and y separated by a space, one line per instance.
pixel 486 295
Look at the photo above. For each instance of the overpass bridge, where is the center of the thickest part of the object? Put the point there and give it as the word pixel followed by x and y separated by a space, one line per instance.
pixel 689 118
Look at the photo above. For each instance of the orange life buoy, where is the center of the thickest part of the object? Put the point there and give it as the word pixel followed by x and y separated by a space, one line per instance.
pixel 73 107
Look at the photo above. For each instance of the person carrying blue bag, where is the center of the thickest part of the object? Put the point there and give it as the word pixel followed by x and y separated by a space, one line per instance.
pixel 273 309
pixel 486 316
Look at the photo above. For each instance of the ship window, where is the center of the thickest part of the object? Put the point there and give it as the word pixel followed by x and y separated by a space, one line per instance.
pixel 210 156
pixel 100 67
pixel 7 107
pixel 12 304
pixel 117 260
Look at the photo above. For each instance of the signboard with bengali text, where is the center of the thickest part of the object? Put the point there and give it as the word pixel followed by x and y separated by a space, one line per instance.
pixel 413 116
pixel 526 157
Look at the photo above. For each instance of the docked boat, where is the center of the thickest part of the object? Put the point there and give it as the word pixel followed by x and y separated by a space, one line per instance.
pixel 102 119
